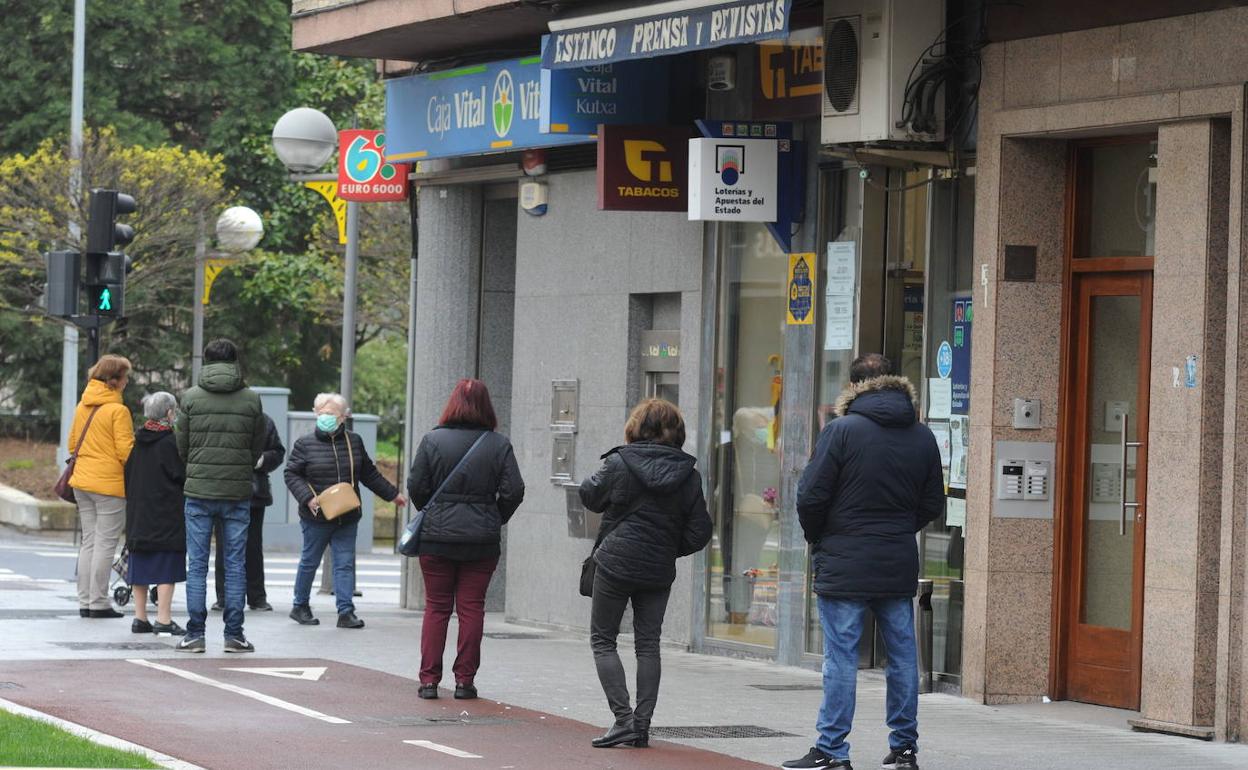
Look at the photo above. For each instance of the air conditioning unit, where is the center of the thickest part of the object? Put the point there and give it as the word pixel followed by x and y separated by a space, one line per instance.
pixel 871 50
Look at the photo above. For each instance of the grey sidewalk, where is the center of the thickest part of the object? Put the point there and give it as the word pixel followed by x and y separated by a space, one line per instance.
pixel 553 673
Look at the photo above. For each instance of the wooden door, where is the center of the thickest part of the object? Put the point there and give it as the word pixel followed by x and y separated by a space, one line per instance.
pixel 1105 438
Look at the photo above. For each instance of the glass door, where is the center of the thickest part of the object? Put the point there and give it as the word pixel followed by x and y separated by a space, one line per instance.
pixel 1107 461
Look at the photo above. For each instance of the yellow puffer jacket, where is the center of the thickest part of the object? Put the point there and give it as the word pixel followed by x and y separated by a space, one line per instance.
pixel 101 463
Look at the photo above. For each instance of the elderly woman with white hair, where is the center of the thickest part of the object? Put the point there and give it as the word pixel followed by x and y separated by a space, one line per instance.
pixel 329 456
pixel 155 524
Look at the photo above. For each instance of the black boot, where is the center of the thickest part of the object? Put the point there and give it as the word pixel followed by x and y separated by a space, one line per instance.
pixel 620 732
pixel 302 614
pixel 642 728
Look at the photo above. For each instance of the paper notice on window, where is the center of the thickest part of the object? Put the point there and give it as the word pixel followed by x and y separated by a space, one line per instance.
pixel 941 431
pixel 959 438
pixel 955 512
pixel 839 326
pixel 939 398
pixel 842 268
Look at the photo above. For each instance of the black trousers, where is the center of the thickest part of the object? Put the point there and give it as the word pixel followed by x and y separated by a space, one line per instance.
pixel 255 558
pixel 649 606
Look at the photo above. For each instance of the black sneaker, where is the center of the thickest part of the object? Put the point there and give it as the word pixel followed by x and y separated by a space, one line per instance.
pixel 262 606
pixel 906 759
pixel 168 629
pixel 465 692
pixel 428 692
pixel 238 644
pixel 349 620
pixel 191 644
pixel 108 613
pixel 140 627
pixel 302 614
pixel 218 606
pixel 816 758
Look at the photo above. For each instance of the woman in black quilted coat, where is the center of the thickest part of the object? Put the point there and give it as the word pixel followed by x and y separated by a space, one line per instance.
pixel 653 513
pixel 328 456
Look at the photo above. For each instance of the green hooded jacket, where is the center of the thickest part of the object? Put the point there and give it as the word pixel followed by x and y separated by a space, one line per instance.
pixel 221 434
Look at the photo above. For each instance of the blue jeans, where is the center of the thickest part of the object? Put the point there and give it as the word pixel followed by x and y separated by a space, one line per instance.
pixel 341 541
pixel 842 628
pixel 234 516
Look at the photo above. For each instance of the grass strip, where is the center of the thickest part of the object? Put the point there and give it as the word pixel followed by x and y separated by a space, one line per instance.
pixel 26 742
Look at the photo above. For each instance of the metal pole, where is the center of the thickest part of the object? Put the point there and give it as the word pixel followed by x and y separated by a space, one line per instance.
pixel 69 340
pixel 409 576
pixel 348 301
pixel 197 325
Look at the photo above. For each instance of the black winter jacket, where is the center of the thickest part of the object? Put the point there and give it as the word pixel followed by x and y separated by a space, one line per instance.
pixel 874 481
pixel 479 500
pixel 663 490
pixel 320 460
pixel 274 452
pixel 155 520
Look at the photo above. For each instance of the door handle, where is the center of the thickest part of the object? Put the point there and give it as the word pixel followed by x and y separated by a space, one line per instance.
pixel 1122 476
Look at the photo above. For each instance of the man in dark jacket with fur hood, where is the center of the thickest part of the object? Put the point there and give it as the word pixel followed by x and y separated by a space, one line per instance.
pixel 874 481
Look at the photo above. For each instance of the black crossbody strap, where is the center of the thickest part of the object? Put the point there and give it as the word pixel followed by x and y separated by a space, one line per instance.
pixel 455 470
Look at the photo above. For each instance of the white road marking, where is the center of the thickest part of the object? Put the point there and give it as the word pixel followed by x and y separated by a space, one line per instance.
pixel 290 584
pixel 309 673
pixel 358 573
pixel 243 691
pixel 58 554
pixel 15 577
pixel 444 749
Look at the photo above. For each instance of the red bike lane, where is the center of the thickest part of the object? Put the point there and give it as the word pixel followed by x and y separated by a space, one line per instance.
pixel 250 713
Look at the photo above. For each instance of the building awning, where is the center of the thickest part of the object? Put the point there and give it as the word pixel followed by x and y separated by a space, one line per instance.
pixel 662 29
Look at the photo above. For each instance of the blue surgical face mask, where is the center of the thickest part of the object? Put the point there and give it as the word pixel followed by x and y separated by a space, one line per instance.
pixel 327 422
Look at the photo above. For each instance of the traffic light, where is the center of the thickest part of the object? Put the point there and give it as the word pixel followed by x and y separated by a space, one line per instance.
pixel 107 267
pixel 104 233
pixel 64 268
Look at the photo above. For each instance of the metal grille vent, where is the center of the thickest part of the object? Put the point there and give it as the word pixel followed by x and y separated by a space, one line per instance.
pixel 788 687
pixel 35 614
pixel 719 731
pixel 113 645
pixel 10 686
pixel 840 65
pixel 514 635
pixel 415 721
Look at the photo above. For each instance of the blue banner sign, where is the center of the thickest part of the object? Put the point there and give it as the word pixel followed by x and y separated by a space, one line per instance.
pixel 577 101
pixel 963 320
pixel 711 26
pixel 473 110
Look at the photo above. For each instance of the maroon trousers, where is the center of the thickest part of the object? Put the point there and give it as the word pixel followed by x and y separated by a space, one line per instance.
pixel 457 586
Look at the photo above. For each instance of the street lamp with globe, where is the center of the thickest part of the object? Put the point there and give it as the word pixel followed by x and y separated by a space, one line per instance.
pixel 304 140
pixel 239 229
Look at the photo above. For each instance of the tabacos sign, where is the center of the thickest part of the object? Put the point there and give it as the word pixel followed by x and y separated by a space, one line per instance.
pixel 484 108
pixel 790 76
pixel 363 173
pixel 643 168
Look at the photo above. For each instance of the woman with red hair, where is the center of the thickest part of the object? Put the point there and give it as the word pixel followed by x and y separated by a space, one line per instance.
pixel 462 529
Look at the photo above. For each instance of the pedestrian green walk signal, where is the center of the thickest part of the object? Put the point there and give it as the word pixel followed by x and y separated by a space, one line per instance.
pixel 106 301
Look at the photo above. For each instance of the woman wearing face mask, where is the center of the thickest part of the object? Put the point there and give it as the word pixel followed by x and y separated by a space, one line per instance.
pixel 330 455
pixel 101 439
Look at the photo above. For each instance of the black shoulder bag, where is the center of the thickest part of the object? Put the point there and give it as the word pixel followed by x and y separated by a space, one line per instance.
pixel 589 567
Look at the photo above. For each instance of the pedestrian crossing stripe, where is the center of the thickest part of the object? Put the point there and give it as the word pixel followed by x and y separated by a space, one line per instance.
pixel 308 673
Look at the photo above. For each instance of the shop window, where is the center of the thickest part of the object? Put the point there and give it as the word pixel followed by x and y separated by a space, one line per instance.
pixel 1116 198
pixel 743 557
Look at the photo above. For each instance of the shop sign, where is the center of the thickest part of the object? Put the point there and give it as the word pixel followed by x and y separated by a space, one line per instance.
pixel 363 175
pixel 790 76
pixel 660 351
pixel 468 111
pixel 643 168
pixel 577 101
pixel 801 305
pixel 963 318
pixel 714 25
pixel 791 169
pixel 732 180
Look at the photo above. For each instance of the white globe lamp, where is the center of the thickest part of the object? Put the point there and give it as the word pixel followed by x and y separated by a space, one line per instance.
pixel 239 229
pixel 304 139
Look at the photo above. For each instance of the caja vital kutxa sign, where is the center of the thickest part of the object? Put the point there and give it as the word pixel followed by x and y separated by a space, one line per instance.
pixel 714 25
pixel 472 110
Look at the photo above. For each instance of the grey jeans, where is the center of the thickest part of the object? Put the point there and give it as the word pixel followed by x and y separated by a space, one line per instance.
pixel 103 517
pixel 649 606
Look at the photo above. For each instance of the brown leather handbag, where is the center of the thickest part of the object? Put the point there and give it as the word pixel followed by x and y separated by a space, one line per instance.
pixel 63 489
pixel 341 497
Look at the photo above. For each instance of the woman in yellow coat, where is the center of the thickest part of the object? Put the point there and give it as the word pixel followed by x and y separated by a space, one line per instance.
pixel 99 485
